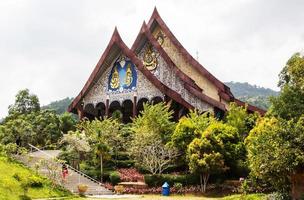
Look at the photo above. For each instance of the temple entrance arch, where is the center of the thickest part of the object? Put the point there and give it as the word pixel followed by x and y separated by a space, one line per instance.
pixel 156 100
pixel 89 111
pixel 127 111
pixel 115 107
pixel 140 104
pixel 101 110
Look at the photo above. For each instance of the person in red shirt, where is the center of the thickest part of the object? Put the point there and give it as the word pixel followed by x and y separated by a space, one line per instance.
pixel 65 172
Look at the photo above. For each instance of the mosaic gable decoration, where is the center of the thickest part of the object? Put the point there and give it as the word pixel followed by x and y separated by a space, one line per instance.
pixel 123 76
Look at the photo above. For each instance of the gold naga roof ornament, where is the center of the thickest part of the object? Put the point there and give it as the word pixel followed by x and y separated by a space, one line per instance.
pixel 150 58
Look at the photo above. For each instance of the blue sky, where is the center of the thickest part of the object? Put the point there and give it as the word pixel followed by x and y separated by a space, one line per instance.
pixel 52 46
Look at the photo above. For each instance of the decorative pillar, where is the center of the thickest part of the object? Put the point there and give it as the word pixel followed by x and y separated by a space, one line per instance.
pixel 80 113
pixel 134 104
pixel 107 106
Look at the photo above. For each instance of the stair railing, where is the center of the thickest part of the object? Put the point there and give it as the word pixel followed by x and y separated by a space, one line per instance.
pixel 72 168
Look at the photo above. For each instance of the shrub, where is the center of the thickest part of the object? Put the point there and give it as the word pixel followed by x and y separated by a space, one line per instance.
pixel 24 197
pixel 29 181
pixel 114 178
pixel 158 180
pixel 35 181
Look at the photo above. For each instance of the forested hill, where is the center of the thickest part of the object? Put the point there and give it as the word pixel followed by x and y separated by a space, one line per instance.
pixel 252 94
pixel 59 106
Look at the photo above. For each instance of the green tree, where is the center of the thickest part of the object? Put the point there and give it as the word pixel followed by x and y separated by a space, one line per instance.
pixel 150 133
pixel 67 122
pixel 276 151
pixel 188 128
pixel 238 117
pixel 293 73
pixel 290 103
pixel 103 136
pixel 24 103
pixel 218 146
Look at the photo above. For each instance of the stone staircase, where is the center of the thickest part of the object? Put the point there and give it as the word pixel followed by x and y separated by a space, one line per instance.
pixel 74 178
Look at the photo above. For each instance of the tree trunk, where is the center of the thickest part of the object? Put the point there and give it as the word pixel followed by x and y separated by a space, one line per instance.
pixel 204 180
pixel 101 168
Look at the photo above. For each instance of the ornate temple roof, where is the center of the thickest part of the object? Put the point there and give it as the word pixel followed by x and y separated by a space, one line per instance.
pixel 116 46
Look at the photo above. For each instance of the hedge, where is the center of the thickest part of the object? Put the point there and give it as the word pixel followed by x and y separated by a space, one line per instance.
pixel 158 180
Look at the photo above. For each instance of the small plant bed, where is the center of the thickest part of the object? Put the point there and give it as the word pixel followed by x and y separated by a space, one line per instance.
pixel 130 175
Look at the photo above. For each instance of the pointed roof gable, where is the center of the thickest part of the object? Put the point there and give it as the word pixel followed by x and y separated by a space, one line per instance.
pixel 224 91
pixel 116 43
pixel 189 84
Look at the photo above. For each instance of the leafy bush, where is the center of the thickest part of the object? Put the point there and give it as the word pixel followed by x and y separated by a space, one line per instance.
pixel 32 181
pixel 278 196
pixel 24 197
pixel 158 180
pixel 35 181
pixel 114 178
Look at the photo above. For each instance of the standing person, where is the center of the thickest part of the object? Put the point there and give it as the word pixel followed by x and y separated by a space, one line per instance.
pixel 65 172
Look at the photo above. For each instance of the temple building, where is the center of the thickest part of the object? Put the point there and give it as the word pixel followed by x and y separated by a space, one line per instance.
pixel 156 68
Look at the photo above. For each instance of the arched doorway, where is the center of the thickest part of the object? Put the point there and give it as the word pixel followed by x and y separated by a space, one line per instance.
pixel 140 104
pixel 89 111
pixel 127 111
pixel 156 100
pixel 101 110
pixel 115 110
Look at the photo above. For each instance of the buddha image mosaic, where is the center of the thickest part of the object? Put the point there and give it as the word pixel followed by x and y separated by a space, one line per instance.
pixel 123 76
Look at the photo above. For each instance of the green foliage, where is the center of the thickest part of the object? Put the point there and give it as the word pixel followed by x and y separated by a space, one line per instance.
pixel 293 73
pixel 276 150
pixel 252 94
pixel 151 131
pixel 114 178
pixel 60 106
pixel 154 120
pixel 239 118
pixel 158 180
pixel 67 122
pixel 24 103
pixel 218 147
pixel 189 128
pixel 38 128
pixel 290 103
pixel 10 187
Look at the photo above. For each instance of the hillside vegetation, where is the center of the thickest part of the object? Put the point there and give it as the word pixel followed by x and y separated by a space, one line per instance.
pixel 10 186
pixel 60 106
pixel 252 94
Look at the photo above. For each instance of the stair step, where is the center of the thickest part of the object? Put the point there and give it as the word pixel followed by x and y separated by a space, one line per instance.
pixel 73 179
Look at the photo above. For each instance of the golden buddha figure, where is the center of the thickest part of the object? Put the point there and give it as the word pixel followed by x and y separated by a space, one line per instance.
pixel 115 79
pixel 129 77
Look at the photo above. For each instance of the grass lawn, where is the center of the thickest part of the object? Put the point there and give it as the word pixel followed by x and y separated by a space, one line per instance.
pixel 187 197
pixel 10 187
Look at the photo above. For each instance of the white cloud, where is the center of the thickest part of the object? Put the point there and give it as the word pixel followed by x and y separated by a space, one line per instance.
pixel 52 46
